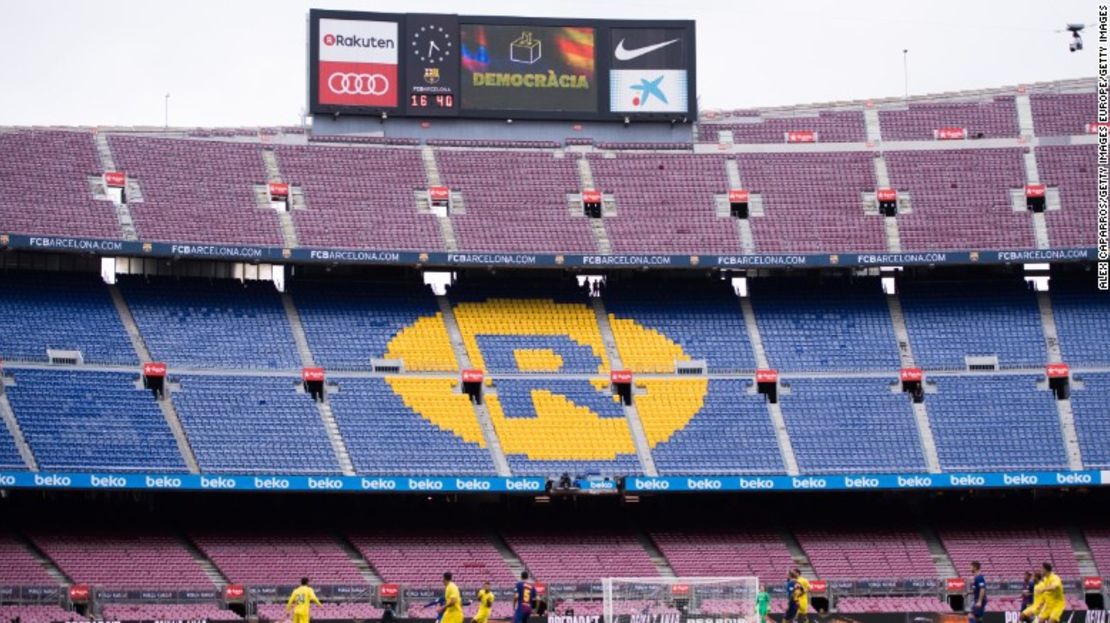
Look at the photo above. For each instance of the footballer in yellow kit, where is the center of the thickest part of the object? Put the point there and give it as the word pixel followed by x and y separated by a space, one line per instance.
pixel 451 611
pixel 1053 595
pixel 300 602
pixel 485 603
pixel 803 593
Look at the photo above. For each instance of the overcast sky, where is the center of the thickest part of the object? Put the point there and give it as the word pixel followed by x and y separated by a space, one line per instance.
pixel 242 62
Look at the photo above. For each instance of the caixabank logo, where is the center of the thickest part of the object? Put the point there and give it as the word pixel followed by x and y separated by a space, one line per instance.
pixel 357 63
pixel 558 404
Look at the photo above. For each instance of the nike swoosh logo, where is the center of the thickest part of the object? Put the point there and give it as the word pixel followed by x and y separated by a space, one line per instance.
pixel 624 54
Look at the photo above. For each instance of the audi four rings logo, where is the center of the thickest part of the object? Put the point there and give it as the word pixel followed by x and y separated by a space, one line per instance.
pixel 358 84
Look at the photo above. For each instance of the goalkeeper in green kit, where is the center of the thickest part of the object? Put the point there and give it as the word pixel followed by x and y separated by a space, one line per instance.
pixel 763 603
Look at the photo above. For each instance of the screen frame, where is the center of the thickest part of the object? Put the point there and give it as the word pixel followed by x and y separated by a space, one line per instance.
pixel 602 51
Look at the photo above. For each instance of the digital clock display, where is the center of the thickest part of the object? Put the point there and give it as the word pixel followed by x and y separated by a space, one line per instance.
pixel 431 48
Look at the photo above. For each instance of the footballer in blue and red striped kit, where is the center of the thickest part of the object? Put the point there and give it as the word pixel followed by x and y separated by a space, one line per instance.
pixel 522 600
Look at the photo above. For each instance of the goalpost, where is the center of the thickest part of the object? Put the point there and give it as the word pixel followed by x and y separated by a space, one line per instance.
pixel 679 600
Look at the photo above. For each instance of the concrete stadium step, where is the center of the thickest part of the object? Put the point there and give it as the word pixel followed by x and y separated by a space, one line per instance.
pixel 431 174
pixel 920 411
pixel 635 425
pixel 1063 407
pixel 597 225
pixel 365 569
pixel 774 410
pixel 515 564
pixel 211 571
pixel 485 422
pixel 285 218
pixel 165 405
pixel 8 416
pixel 1082 550
pixel 662 565
pixel 797 554
pixel 941 559
pixel 53 570
pixel 108 163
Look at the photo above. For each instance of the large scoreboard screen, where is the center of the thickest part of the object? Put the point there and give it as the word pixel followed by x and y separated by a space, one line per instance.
pixel 428 65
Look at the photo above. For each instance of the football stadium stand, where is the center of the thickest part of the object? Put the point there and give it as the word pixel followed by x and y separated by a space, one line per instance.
pixel 123 561
pixel 60 311
pixel 1081 312
pixel 810 325
pixel 825 418
pixel 284 429
pixel 92 421
pixel 561 555
pixel 417 558
pixel 358 198
pixel 987 118
pixel 1010 551
pixel 265 559
pixel 1092 419
pixel 752 127
pixel 1068 168
pixel 385 433
pixel 211 323
pixel 20 567
pixel 879 553
pixel 720 553
pixel 966 406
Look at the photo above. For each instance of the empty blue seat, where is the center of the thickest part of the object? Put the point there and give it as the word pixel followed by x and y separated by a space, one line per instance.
pixel 1082 315
pixel 1091 406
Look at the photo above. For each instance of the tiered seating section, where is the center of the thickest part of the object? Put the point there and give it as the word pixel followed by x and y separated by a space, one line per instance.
pixel 63 311
pixel 1069 168
pixel 878 553
pixel 565 556
pixel 1009 552
pixel 418 558
pixel 359 198
pixel 273 559
pixel 1081 312
pixel 830 126
pixel 212 324
pixel 124 561
pixel 965 414
pixel 993 118
pixel 825 419
pixel 20 568
pixel 1092 418
pixel 49 170
pixel 1062 114
pixel 285 431
pixel 720 553
pixel 91 421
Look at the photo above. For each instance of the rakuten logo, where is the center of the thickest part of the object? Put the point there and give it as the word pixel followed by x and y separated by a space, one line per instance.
pixel 1073 479
pixel 379 484
pixel 354 41
pixel 757 483
pixel 703 484
pixel 915 481
pixel 218 482
pixel 1019 479
pixel 108 481
pixel 967 481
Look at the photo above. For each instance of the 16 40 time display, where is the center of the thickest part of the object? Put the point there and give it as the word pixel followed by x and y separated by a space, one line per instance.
pixel 434 101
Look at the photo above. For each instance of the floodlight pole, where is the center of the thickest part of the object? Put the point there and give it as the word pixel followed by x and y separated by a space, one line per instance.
pixel 906 72
pixel 167 112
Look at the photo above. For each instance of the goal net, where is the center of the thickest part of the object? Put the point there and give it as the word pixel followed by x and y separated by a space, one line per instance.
pixel 680 600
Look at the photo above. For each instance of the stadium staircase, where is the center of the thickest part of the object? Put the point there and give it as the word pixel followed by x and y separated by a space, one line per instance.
pixel 1039 222
pixel 1063 407
pixel 797 554
pixel 890 223
pixel 920 412
pixel 635 425
pixel 493 442
pixel 789 460
pixel 211 571
pixel 944 564
pixel 285 217
pixel 60 578
pixel 431 172
pixel 743 225
pixel 339 446
pixel 656 556
pixel 108 163
pixel 365 569
pixel 1082 549
pixel 597 225
pixel 871 125
pixel 169 412
pixel 515 564
pixel 17 434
